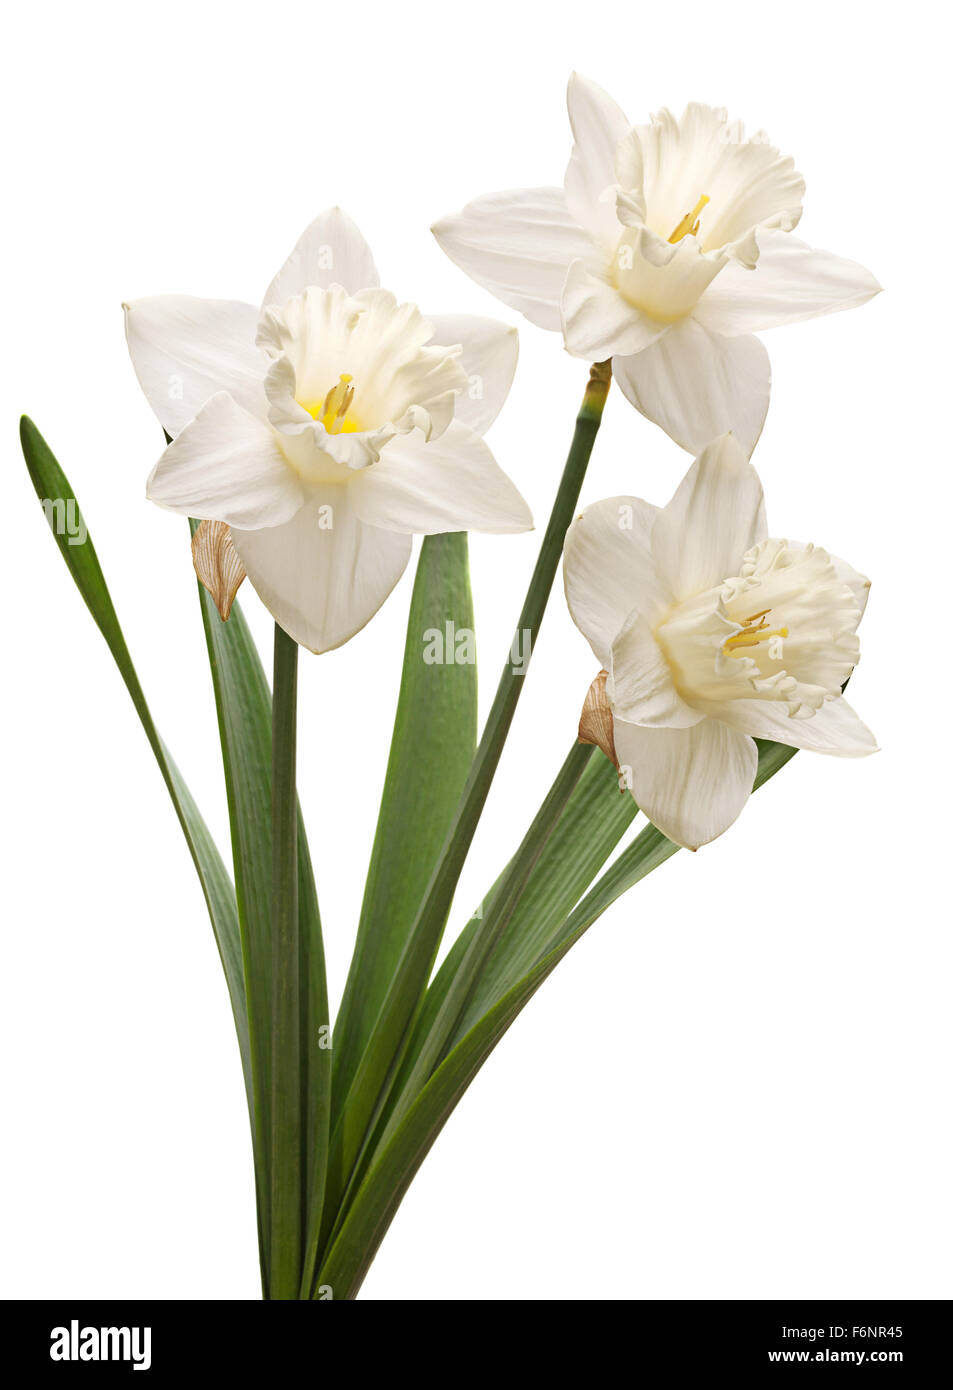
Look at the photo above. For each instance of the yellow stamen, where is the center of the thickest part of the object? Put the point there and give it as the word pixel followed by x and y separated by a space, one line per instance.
pixel 332 412
pixel 744 639
pixel 754 630
pixel 689 223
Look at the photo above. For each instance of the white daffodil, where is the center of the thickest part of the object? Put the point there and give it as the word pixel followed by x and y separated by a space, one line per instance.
pixel 667 247
pixel 712 635
pixel 324 430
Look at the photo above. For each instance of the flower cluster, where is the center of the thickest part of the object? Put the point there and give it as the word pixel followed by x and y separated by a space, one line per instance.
pixel 315 435
pixel 308 439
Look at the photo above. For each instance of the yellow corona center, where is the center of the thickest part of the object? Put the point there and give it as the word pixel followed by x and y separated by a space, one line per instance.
pixel 689 223
pixel 332 412
pixel 753 631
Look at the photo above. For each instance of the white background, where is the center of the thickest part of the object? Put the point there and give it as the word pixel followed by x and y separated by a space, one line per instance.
pixel 737 1085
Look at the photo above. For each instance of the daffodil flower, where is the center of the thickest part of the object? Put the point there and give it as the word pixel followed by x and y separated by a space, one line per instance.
pixel 323 430
pixel 711 634
pixel 667 247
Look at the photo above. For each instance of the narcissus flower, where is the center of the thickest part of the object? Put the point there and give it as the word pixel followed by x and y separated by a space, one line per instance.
pixel 323 430
pixel 667 247
pixel 711 635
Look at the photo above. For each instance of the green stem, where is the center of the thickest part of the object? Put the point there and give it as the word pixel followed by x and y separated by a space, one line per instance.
pixel 287 1130
pixel 510 686
pixel 382 1189
pixel 380 1061
pixel 500 908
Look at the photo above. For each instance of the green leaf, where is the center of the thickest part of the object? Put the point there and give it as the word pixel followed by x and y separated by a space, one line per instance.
pixel 361 1107
pixel 595 819
pixel 382 1191
pixel 431 750
pixel 288 1092
pixel 485 936
pixel 243 706
pixel 316 1055
pixel 593 822
pixel 59 501
pixel 243 702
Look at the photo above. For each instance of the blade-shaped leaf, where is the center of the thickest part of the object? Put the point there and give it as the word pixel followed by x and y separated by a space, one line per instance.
pixel 431 749
pixel 288 1085
pixel 593 822
pixel 59 503
pixel 243 706
pixel 243 702
pixel 382 1191
pixel 482 941
pixel 359 1110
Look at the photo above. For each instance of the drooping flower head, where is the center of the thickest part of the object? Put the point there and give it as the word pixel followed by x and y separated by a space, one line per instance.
pixel 668 245
pixel 712 634
pixel 323 430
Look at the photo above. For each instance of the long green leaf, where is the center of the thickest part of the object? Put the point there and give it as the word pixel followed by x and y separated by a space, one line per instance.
pixel 316 1056
pixel 243 702
pixel 288 1088
pixel 451 996
pixel 431 750
pixel 67 525
pixel 243 706
pixel 382 1057
pixel 594 821
pixel 487 934
pixel 383 1189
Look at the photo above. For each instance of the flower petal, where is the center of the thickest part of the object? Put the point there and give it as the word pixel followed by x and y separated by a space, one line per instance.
pixel 331 251
pixel 490 351
pixel 598 125
pixel 691 783
pixel 696 385
pixel 790 282
pixel 665 280
pixel 857 583
pixel 519 245
pixel 324 574
pixel 598 322
pixel 449 484
pixel 184 350
pixel 835 728
pixel 227 466
pixel 747 182
pixel 716 515
pixel 399 381
pixel 641 687
pixel 630 177
pixel 609 570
